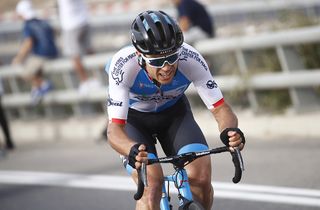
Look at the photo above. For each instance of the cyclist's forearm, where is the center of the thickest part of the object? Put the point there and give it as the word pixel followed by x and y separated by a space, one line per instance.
pixel 225 117
pixel 118 139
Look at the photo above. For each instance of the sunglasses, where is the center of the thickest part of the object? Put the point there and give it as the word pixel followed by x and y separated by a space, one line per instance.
pixel 159 62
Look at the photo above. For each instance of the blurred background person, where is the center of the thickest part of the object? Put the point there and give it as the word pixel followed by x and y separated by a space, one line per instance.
pixel 5 124
pixel 194 20
pixel 38 45
pixel 76 39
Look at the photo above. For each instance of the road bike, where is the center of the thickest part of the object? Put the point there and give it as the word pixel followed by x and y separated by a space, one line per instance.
pixel 180 177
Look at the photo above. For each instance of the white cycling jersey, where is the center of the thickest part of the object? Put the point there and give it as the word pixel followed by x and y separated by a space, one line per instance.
pixel 131 87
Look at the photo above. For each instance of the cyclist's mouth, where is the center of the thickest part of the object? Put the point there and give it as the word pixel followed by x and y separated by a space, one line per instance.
pixel 165 75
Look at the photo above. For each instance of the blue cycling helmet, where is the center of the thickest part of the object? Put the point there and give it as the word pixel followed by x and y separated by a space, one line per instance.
pixel 155 32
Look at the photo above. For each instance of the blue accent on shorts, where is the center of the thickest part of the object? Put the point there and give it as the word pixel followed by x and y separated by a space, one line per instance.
pixel 193 148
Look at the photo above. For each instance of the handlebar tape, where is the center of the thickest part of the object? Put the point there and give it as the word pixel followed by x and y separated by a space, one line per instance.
pixel 238 170
pixel 140 189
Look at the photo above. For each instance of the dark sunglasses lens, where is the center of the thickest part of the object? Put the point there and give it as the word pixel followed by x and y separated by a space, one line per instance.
pixel 172 59
pixel 159 63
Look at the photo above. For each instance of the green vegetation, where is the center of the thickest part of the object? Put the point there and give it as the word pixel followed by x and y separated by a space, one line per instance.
pixel 273 101
pixel 310 54
pixel 262 60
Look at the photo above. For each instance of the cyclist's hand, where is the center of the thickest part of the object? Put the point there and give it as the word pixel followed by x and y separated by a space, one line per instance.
pixel 235 140
pixel 233 137
pixel 138 154
pixel 142 156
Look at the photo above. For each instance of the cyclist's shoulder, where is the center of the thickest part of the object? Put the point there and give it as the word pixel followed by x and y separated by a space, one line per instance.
pixel 188 50
pixel 124 52
pixel 124 65
pixel 125 59
pixel 190 59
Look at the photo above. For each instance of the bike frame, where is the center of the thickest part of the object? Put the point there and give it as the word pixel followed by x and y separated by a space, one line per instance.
pixel 180 179
pixel 180 176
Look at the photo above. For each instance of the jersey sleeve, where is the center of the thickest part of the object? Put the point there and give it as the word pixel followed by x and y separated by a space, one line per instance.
pixel 120 75
pixel 196 68
pixel 26 31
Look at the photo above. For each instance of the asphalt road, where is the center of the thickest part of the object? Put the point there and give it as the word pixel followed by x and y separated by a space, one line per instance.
pixel 280 174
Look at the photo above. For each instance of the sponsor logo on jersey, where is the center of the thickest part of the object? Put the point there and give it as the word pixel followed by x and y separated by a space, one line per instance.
pixel 144 85
pixel 211 84
pixel 161 96
pixel 155 98
pixel 187 53
pixel 112 102
pixel 117 75
pixel 117 72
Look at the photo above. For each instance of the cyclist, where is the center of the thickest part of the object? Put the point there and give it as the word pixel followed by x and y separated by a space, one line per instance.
pixel 147 82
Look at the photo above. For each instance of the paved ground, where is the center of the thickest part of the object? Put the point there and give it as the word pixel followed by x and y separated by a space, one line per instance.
pixel 274 163
pixel 291 162
pixel 281 160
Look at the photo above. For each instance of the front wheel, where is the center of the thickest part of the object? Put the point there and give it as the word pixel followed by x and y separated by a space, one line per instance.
pixel 192 205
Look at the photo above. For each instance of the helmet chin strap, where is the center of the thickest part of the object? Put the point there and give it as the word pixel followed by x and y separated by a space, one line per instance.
pixel 141 61
pixel 158 84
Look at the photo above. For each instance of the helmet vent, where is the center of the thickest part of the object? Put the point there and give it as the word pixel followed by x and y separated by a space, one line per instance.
pixel 154 32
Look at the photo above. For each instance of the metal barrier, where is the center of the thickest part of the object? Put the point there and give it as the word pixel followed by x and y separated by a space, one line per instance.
pixel 65 99
pixel 115 25
pixel 293 75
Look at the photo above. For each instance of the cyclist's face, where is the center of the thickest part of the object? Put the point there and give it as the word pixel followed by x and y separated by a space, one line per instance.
pixel 164 73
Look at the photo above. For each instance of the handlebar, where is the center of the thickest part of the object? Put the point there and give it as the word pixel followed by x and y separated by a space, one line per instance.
pixel 238 165
pixel 142 181
pixel 180 161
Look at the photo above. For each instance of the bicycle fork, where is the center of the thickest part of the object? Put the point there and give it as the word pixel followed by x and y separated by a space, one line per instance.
pixel 181 182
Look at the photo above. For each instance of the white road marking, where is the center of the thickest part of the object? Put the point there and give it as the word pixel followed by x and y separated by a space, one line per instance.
pixel 272 194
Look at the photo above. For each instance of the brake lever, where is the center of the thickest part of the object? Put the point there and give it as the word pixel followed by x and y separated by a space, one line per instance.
pixel 144 174
pixel 142 181
pixel 238 164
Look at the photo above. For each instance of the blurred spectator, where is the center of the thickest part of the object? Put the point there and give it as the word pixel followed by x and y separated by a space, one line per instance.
pixel 38 45
pixel 194 20
pixel 76 38
pixel 4 124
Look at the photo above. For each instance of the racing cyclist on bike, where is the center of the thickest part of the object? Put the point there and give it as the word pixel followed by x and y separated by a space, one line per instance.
pixel 147 84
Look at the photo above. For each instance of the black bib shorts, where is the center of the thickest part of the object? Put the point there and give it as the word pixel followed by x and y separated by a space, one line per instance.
pixel 175 129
